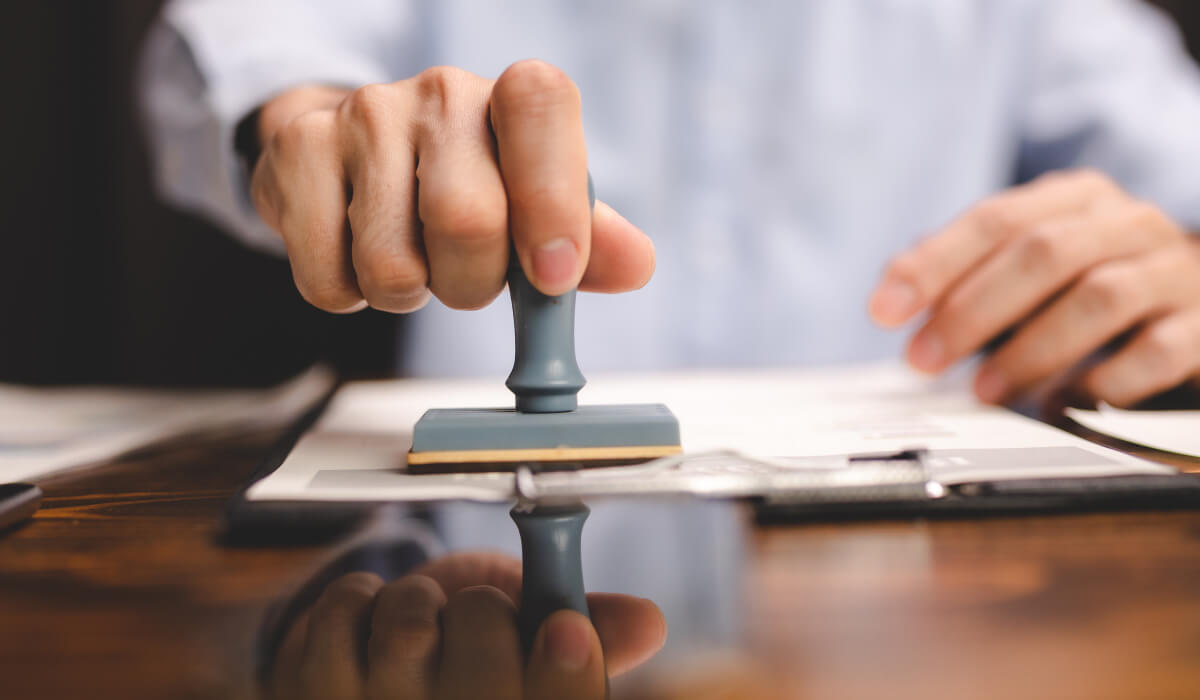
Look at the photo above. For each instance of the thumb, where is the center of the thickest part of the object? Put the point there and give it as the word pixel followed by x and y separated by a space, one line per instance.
pixel 566 660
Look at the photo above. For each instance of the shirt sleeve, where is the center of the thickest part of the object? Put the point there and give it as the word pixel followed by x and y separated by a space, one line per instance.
pixel 1111 87
pixel 207 64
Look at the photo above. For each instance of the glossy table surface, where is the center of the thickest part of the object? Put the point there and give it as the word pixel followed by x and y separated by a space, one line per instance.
pixel 120 588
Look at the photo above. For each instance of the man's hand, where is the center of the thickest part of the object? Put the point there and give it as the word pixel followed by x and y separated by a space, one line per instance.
pixel 449 630
pixel 1068 262
pixel 389 193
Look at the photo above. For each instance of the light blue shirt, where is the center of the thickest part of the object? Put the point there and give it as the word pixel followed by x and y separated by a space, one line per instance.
pixel 777 152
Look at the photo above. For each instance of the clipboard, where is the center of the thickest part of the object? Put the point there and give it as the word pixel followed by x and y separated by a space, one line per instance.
pixel 972 471
pixel 1007 498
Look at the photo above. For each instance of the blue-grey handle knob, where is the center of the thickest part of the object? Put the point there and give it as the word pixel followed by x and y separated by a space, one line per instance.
pixel 551 564
pixel 545 376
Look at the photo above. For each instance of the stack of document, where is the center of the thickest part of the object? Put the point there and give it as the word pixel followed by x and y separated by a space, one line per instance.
pixel 880 431
pixel 1169 431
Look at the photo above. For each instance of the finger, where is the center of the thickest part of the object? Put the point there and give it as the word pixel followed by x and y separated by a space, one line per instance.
pixel 481 649
pixel 1105 302
pixel 299 189
pixel 1163 355
pixel 921 276
pixel 404 639
pixel 1022 275
pixel 337 630
pixel 460 570
pixel 461 197
pixel 631 630
pixel 285 667
pixel 622 257
pixel 386 250
pixel 535 113
pixel 566 660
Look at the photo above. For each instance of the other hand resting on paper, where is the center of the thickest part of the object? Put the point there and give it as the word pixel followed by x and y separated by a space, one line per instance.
pixel 387 194
pixel 1069 262
pixel 449 630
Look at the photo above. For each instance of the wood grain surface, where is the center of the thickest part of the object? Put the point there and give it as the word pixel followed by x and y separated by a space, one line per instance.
pixel 119 588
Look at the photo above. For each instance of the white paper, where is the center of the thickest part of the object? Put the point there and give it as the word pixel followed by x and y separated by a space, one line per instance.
pixel 357 449
pixel 1170 431
pixel 47 430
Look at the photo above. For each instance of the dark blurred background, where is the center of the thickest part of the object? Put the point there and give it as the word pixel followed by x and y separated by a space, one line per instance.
pixel 98 281
pixel 101 283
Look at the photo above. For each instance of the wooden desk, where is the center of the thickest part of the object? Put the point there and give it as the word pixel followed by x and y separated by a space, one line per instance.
pixel 118 590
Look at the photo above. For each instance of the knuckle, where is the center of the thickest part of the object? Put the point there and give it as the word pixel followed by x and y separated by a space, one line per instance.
pixel 476 297
pixel 1053 176
pixel 1096 181
pixel 955 306
pixel 302 133
pixel 440 83
pixel 434 88
pixel 486 611
pixel 1043 251
pixel 468 304
pixel 1103 292
pixel 472 602
pixel 357 582
pixel 996 219
pixel 1146 219
pixel 413 633
pixel 350 592
pixel 412 639
pixel 418 590
pixel 448 97
pixel 464 217
pixel 384 277
pixel 1142 212
pixel 328 296
pixel 369 107
pixel 534 85
pixel 319 286
pixel 545 197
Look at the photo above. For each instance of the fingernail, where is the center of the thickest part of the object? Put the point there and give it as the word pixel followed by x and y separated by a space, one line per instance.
pixel 894 301
pixel 568 642
pixel 990 385
pixel 554 262
pixel 926 353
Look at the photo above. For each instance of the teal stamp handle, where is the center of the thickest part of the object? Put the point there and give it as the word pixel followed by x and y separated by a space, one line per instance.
pixel 546 379
pixel 551 565
pixel 545 376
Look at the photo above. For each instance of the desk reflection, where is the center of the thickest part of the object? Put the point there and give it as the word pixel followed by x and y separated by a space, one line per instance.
pixel 382 624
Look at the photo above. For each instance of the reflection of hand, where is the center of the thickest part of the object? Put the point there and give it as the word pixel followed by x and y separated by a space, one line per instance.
pixel 449 630
pixel 388 193
pixel 1071 262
